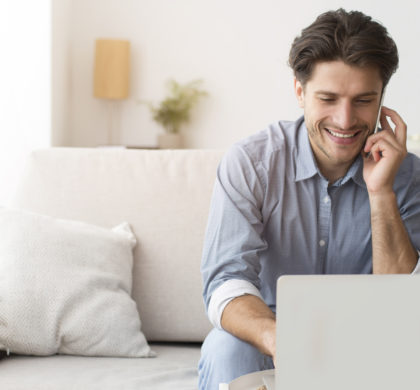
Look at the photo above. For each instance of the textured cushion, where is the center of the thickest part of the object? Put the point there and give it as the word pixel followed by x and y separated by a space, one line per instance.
pixel 65 288
pixel 164 195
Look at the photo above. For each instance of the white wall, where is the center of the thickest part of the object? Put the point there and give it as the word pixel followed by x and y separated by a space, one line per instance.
pixel 25 86
pixel 238 47
pixel 60 76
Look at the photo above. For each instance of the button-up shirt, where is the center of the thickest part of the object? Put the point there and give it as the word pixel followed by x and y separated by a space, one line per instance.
pixel 273 213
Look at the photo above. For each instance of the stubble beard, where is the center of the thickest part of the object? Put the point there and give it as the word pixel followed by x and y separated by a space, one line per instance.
pixel 315 132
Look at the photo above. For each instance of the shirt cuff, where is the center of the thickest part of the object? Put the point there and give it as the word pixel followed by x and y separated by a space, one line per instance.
pixel 224 294
pixel 417 268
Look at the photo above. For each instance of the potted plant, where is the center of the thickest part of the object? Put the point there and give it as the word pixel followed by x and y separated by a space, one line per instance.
pixel 174 110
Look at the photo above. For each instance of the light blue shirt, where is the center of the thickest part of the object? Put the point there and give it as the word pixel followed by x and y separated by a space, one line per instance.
pixel 273 213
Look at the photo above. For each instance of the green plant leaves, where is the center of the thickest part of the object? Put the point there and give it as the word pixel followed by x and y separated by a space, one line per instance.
pixel 175 109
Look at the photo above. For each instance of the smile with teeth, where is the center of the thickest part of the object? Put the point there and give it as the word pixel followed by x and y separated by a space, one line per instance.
pixel 340 135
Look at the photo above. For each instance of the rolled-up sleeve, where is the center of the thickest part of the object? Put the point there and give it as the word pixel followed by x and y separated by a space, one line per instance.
pixel 234 231
pixel 225 293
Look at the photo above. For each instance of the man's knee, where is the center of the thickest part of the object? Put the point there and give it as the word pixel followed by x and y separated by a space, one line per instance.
pixel 225 357
pixel 221 347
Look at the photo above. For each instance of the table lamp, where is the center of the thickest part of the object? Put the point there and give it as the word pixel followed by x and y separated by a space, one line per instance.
pixel 111 74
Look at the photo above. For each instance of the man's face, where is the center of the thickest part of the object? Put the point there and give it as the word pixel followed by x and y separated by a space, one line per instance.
pixel 340 105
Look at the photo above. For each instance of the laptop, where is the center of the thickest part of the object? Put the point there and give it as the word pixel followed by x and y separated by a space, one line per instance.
pixel 347 332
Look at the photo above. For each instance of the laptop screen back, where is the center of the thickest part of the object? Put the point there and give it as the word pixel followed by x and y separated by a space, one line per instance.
pixel 348 332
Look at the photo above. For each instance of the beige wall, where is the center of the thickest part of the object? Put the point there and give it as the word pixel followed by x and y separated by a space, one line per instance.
pixel 61 79
pixel 239 48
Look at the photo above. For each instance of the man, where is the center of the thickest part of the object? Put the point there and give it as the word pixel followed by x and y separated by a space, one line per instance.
pixel 319 195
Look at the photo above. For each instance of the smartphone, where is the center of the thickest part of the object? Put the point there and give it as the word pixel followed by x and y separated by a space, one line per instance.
pixel 379 112
pixel 378 118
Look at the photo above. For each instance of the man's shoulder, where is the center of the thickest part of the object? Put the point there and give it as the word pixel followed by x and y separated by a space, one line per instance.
pixel 410 165
pixel 278 137
pixel 409 173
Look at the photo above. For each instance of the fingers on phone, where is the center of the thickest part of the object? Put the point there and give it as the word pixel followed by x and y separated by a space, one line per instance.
pixel 400 129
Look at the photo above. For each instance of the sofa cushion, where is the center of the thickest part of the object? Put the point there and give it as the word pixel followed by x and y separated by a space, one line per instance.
pixel 65 288
pixel 163 194
pixel 174 368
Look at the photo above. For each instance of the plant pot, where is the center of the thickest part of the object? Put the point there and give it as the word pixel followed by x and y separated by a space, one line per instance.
pixel 170 141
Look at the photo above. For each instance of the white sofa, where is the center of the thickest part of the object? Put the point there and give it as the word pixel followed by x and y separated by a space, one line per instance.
pixel 164 195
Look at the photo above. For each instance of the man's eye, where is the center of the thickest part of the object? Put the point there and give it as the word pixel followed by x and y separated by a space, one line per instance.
pixel 327 99
pixel 364 101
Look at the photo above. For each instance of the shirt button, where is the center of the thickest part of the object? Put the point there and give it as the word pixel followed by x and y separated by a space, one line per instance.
pixel 322 243
pixel 326 199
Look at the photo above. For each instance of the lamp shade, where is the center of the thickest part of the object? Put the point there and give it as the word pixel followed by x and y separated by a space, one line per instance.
pixel 112 69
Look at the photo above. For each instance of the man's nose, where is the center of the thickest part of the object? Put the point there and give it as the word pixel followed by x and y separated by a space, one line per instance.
pixel 345 116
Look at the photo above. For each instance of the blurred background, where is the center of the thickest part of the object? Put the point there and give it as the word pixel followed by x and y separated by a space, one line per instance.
pixel 238 48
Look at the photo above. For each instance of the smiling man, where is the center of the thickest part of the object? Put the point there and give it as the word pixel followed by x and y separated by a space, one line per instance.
pixel 340 103
pixel 323 194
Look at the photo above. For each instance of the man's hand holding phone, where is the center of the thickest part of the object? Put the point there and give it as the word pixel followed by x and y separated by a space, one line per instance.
pixel 384 152
pixel 392 250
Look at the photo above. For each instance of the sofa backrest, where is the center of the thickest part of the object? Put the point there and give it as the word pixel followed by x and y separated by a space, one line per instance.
pixel 163 194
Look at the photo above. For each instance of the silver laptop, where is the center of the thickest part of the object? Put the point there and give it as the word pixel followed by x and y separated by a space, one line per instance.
pixel 347 332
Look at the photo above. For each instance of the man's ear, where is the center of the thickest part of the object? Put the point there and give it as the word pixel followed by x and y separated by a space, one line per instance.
pixel 300 92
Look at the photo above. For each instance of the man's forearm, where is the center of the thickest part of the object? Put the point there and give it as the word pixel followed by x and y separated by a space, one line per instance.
pixel 392 251
pixel 250 319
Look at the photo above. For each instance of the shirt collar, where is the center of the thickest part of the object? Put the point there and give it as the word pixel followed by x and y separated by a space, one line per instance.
pixel 356 172
pixel 305 161
pixel 306 166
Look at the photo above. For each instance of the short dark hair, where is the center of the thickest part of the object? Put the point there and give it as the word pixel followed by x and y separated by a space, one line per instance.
pixel 351 37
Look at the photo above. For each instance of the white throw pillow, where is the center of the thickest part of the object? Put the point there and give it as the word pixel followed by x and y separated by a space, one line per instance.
pixel 65 288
